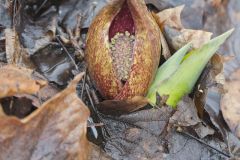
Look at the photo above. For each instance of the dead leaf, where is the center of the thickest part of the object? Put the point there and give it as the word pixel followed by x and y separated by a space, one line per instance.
pixel 165 49
pixel 138 135
pixel 176 35
pixel 98 153
pixel 18 80
pixel 182 147
pixel 118 107
pixel 186 114
pixel 177 38
pixel 170 17
pixel 230 103
pixel 57 130
pixel 54 63
pixel 35 33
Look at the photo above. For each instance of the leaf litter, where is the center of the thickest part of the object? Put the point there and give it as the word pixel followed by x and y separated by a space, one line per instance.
pixel 57 124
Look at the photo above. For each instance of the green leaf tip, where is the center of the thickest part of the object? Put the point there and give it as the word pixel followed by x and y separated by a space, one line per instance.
pixel 179 77
pixel 166 70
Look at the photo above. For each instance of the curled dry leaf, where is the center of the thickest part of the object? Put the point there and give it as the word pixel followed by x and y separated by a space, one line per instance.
pixel 186 114
pixel 179 38
pixel 35 33
pixel 18 80
pixel 118 107
pixel 170 17
pixel 186 117
pixel 169 21
pixel 230 103
pixel 56 131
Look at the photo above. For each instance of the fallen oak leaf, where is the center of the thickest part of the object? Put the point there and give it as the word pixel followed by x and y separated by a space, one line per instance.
pixel 57 130
pixel 18 80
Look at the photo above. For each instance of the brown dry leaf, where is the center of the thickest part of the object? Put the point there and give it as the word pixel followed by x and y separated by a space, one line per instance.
pixel 230 103
pixel 178 38
pixel 165 49
pixel 196 37
pixel 14 51
pixel 18 80
pixel 176 35
pixel 56 131
pixel 170 17
pixel 118 107
pixel 186 114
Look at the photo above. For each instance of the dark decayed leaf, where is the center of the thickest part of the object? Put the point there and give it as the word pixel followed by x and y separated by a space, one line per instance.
pixel 98 153
pixel 55 131
pixel 182 147
pixel 187 118
pixel 35 33
pixel 54 64
pixel 137 135
pixel 186 114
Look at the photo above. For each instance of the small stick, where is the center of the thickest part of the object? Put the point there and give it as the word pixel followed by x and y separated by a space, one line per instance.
pixel 202 142
pixel 83 86
pixel 41 6
pixel 90 120
pixel 65 49
pixel 95 125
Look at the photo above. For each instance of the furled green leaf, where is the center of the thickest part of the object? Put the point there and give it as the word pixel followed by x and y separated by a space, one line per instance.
pixel 166 70
pixel 183 80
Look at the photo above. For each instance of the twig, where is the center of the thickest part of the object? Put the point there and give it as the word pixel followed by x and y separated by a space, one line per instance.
pixel 105 130
pixel 41 6
pixel 65 49
pixel 202 142
pixel 90 120
pixel 95 125
pixel 83 86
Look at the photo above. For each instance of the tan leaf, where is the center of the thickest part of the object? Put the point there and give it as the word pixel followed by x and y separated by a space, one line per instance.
pixel 196 37
pixel 171 17
pixel 177 36
pixel 18 80
pixel 56 131
pixel 230 103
